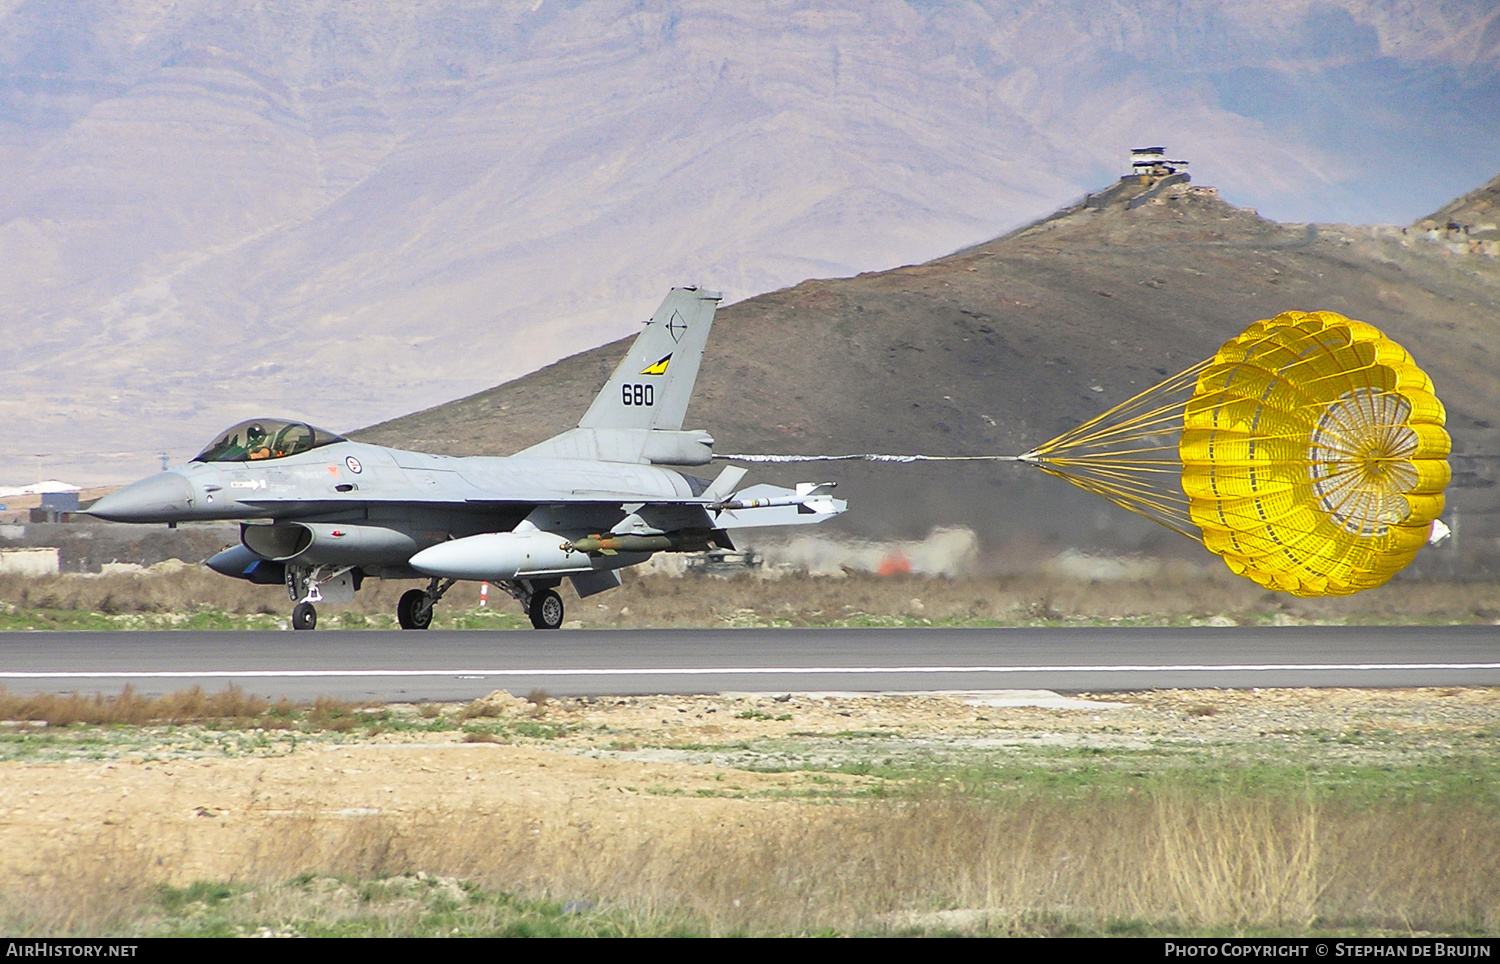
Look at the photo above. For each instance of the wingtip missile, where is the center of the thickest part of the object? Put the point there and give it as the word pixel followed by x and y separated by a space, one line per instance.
pixel 808 497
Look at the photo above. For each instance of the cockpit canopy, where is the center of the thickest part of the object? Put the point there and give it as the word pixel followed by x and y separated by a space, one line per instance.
pixel 265 438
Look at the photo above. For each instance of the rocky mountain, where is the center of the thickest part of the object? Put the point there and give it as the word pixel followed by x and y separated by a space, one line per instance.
pixel 345 211
pixel 1003 345
pixel 1473 217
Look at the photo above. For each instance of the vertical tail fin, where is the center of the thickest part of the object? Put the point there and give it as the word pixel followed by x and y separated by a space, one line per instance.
pixel 638 416
pixel 653 385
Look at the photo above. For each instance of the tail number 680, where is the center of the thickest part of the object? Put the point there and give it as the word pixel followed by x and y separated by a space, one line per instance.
pixel 638 394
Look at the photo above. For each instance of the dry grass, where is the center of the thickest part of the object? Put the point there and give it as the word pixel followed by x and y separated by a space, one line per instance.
pixel 104 890
pixel 1030 866
pixel 131 708
pixel 330 713
pixel 230 707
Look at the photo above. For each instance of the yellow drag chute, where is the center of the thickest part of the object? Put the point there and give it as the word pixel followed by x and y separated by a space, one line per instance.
pixel 1309 453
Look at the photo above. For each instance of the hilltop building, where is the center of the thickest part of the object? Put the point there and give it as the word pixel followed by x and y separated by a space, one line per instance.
pixel 1151 163
pixel 1151 178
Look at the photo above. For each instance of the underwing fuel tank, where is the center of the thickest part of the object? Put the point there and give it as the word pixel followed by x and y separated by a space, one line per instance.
pixel 499 556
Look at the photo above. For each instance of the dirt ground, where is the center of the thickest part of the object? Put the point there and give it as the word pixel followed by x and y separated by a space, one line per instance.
pixel 206 804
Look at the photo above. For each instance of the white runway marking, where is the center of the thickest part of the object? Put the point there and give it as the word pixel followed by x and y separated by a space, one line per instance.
pixel 741 671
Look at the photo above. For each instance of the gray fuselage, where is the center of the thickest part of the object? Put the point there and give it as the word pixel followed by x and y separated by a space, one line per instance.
pixel 426 499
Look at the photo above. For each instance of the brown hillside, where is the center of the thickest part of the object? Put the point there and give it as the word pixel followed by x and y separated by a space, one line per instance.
pixel 1476 214
pixel 1001 346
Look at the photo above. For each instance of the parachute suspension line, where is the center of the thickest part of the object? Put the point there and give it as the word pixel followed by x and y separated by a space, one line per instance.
pixel 1160 508
pixel 1149 414
pixel 1129 454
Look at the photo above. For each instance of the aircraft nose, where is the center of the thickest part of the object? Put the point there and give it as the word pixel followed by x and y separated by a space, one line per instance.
pixel 167 497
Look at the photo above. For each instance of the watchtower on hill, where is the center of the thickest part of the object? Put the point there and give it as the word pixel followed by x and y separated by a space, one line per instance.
pixel 1151 163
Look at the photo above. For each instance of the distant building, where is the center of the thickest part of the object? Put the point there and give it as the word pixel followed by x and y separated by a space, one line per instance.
pixel 56 501
pixel 1151 163
pixel 60 501
pixel 30 562
pixel 37 488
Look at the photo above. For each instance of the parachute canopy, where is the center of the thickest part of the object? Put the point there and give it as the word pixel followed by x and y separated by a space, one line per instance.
pixel 1309 453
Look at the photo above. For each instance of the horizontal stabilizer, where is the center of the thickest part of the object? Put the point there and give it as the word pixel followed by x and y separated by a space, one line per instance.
pixel 721 487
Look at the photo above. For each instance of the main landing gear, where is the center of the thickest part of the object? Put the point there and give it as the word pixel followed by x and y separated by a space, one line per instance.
pixel 414 611
pixel 539 599
pixel 545 609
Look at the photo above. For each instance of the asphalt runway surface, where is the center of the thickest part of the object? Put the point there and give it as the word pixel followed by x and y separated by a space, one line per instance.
pixel 392 666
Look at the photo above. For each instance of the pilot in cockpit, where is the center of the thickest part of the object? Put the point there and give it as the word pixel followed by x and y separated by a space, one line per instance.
pixel 256 445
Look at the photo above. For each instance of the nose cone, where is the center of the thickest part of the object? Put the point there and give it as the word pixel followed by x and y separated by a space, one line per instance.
pixel 167 497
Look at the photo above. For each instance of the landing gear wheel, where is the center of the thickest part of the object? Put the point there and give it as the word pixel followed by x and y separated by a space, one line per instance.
pixel 414 611
pixel 546 609
pixel 304 616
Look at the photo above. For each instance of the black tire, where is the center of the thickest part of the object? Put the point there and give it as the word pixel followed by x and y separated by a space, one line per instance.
pixel 304 616
pixel 412 612
pixel 546 610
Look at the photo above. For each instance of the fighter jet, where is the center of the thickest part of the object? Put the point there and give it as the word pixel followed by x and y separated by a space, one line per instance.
pixel 320 513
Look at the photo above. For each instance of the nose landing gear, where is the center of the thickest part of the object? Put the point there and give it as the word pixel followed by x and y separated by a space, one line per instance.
pixel 305 584
pixel 304 616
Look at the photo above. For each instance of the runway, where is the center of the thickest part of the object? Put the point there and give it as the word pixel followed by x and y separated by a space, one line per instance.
pixel 406 666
